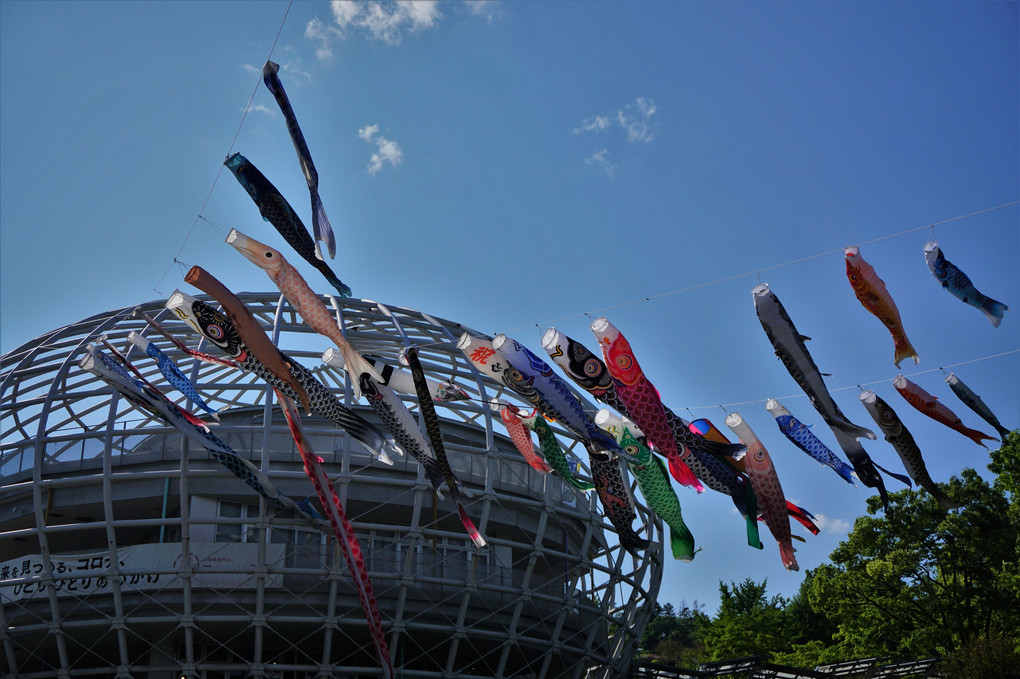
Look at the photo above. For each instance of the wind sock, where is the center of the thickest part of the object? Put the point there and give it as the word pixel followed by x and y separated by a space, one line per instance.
pixel 519 434
pixel 875 297
pixel 801 436
pixel 207 358
pixel 959 285
pixel 248 330
pixel 767 489
pixel 398 420
pixel 589 372
pixel 277 211
pixel 653 480
pixel 305 302
pixel 147 398
pixel 930 406
pixel 537 385
pixel 974 402
pixel 428 413
pixel 171 372
pixel 343 530
pixel 642 400
pixel 400 380
pixel 790 348
pixel 216 328
pixel 899 437
pixel 323 231
pixel 551 450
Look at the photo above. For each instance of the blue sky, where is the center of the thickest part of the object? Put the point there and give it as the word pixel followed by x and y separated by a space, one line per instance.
pixel 509 164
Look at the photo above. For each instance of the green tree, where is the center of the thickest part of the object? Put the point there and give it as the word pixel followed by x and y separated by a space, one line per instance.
pixel 918 581
pixel 748 623
pixel 672 635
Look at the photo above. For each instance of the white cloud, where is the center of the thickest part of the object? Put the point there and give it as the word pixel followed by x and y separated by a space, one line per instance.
pixel 324 34
pixel 262 108
pixel 252 69
pixel 600 159
pixel 387 21
pixel 832 525
pixel 593 124
pixel 488 9
pixel 387 150
pixel 634 119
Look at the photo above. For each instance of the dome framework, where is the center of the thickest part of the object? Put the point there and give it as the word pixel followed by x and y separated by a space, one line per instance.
pixel 127 552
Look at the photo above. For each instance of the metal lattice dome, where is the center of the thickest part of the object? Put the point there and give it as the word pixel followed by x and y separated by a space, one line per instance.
pixel 126 551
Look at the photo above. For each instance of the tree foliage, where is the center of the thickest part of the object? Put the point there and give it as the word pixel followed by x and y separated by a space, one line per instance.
pixel 912 581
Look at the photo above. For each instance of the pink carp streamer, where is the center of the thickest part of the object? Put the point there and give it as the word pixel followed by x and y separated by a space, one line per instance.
pixel 520 435
pixel 311 309
pixel 343 530
pixel 767 489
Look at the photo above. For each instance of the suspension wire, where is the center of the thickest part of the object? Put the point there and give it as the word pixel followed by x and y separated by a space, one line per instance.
pixel 859 385
pixel 758 271
pixel 154 292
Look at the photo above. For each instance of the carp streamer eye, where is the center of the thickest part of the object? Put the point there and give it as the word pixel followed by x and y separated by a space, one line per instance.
pixel 269 255
pixel 624 362
pixel 215 332
pixel 632 449
pixel 592 368
pixel 759 455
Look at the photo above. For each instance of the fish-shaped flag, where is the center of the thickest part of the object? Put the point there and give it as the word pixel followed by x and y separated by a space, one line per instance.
pixel 959 284
pixel 875 297
pixel 146 397
pixel 653 481
pixel 218 330
pixel 589 372
pixel 171 373
pixel 930 406
pixel 248 329
pixel 767 488
pixel 535 381
pixel 617 502
pixel 642 400
pixel 206 358
pixel 400 380
pixel 398 420
pixel 323 230
pixel 974 402
pixel 428 413
pixel 900 439
pixel 311 309
pixel 277 211
pixel 344 532
pixel 552 451
pixel 790 348
pixel 519 434
pixel 800 435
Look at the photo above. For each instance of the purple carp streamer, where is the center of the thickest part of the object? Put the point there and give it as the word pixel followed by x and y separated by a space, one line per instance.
pixel 899 437
pixel 323 230
pixel 343 530
pixel 974 402
pixel 428 412
pixel 248 329
pixel 171 373
pixel 959 285
pixel 216 328
pixel 311 309
pixel 147 398
pixel 277 211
